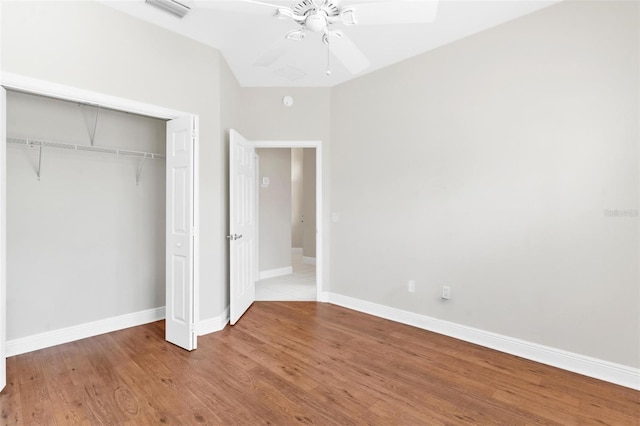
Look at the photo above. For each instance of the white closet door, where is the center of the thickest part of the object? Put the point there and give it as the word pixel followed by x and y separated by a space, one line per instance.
pixel 181 211
pixel 243 164
pixel 3 237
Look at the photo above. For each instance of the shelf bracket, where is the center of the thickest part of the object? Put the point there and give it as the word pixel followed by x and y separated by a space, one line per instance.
pixel 39 166
pixel 140 169
pixel 92 136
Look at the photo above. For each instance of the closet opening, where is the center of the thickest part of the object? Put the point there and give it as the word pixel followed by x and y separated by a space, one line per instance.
pixel 76 264
pixel 85 216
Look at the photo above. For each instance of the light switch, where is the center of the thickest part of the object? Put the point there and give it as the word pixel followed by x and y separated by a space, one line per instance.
pixel 264 182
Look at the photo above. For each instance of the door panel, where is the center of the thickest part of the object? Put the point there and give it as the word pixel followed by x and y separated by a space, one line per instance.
pixel 242 233
pixel 180 259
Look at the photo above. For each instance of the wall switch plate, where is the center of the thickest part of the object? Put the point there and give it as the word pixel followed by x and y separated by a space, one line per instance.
pixel 446 292
pixel 411 286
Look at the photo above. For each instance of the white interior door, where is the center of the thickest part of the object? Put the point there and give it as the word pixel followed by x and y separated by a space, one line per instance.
pixel 3 237
pixel 242 225
pixel 182 138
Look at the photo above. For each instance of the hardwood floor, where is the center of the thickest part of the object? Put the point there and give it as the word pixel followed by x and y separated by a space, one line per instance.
pixel 300 362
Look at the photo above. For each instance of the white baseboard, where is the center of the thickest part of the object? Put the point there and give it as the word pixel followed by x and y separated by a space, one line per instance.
pixel 270 273
pixel 323 296
pixel 309 260
pixel 214 324
pixel 82 331
pixel 296 250
pixel 604 370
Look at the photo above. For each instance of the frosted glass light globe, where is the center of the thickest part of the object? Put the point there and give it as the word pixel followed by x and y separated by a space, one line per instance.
pixel 316 22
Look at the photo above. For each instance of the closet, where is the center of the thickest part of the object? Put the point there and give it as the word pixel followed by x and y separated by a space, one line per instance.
pixel 85 214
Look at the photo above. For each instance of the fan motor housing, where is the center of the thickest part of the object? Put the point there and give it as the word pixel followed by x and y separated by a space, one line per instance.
pixel 307 7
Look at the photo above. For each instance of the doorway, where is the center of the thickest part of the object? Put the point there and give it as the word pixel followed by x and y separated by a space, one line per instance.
pixel 318 208
pixel 243 190
pixel 287 225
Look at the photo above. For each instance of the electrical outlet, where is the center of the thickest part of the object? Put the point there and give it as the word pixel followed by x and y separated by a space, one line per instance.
pixel 446 292
pixel 411 286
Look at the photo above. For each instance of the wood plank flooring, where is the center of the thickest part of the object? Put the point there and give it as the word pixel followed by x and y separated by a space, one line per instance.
pixel 300 363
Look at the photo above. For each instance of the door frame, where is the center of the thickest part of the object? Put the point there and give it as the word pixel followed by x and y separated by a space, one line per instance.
pixel 21 83
pixel 321 293
pixel 3 233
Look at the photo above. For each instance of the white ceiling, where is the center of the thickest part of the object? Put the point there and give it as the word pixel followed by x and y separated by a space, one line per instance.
pixel 244 31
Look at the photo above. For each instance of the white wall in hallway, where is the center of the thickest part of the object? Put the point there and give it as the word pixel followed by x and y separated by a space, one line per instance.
pixel 275 209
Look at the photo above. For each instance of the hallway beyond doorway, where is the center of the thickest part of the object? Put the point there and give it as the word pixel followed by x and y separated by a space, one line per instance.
pixel 298 286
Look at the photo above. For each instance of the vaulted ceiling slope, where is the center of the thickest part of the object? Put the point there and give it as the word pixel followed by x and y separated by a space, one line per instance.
pixel 253 42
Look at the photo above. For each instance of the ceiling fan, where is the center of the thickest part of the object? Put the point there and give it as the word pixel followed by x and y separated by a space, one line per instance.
pixel 329 17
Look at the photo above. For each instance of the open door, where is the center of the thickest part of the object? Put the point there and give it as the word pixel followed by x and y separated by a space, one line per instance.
pixel 182 139
pixel 242 225
pixel 3 237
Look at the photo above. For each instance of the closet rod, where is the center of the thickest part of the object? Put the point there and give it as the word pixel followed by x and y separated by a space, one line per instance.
pixel 116 151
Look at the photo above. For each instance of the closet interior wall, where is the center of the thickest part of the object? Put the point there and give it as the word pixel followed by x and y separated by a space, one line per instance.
pixel 85 242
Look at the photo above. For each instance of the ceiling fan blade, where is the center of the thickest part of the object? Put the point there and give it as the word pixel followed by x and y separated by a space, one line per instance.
pixel 347 52
pixel 244 6
pixel 270 56
pixel 390 12
pixel 279 48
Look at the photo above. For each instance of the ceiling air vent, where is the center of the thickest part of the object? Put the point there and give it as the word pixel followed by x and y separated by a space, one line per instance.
pixel 175 8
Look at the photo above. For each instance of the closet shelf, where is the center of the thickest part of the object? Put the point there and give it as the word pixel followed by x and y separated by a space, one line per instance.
pixel 142 156
pixel 73 147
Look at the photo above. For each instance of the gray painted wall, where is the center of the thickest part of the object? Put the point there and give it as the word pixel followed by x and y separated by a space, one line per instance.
pixel 231 117
pixel 487 165
pixel 85 240
pixel 274 212
pixel 266 118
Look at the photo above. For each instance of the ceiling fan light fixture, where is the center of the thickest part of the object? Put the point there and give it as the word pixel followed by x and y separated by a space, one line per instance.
pixel 316 22
pixel 178 9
